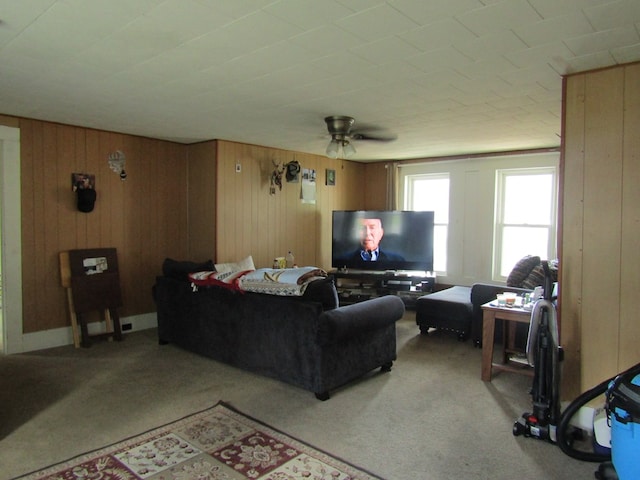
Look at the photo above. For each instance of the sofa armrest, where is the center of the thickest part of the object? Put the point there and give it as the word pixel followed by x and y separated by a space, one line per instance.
pixel 350 320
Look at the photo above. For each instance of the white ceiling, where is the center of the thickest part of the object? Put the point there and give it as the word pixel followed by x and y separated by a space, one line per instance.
pixel 447 77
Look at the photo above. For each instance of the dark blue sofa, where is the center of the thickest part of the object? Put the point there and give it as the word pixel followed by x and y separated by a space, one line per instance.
pixel 305 341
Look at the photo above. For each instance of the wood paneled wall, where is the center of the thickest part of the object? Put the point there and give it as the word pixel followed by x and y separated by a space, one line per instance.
pixel 377 175
pixel 178 201
pixel 250 221
pixel 601 226
pixel 202 201
pixel 144 217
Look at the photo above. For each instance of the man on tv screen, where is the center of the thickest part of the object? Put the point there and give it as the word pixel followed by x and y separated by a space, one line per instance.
pixel 371 233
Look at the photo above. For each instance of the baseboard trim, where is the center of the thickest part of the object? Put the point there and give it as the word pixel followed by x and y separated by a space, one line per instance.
pixel 59 337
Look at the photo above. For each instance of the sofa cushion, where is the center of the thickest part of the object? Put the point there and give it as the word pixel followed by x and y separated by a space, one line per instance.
pixel 522 270
pixel 180 269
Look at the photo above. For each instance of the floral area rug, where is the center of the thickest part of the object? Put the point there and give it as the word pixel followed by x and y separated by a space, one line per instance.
pixel 219 443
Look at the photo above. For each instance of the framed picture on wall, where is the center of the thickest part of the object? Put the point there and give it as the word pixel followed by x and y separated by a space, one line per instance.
pixel 330 177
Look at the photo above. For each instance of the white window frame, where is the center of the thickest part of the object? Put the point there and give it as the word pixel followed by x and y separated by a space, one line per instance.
pixel 500 224
pixel 409 188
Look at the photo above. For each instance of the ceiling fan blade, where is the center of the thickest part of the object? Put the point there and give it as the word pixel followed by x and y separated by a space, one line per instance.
pixel 374 138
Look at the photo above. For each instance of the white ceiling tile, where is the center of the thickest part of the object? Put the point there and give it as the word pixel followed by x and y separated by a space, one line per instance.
pixel 439 34
pixel 259 29
pixel 614 14
pixel 603 40
pixel 386 50
pixel 555 8
pixel 427 12
pixel 233 8
pixel 533 75
pixel 440 59
pixel 489 46
pixel 327 40
pixel 555 52
pixel 554 29
pixel 590 61
pixel 626 54
pixel 189 17
pixel 448 77
pixel 360 5
pixel 216 47
pixel 504 15
pixel 341 63
pixel 377 22
pixel 308 14
pixel 394 70
pixel 493 66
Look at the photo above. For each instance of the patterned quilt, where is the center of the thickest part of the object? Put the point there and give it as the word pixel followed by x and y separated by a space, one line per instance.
pixel 283 281
pixel 274 281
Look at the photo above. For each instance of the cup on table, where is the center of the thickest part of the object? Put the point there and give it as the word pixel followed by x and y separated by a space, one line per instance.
pixel 510 298
pixel 502 300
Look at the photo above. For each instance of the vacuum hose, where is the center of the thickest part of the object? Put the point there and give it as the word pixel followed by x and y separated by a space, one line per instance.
pixel 564 439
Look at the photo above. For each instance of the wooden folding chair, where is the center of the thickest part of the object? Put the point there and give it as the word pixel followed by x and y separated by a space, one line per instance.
pixel 80 334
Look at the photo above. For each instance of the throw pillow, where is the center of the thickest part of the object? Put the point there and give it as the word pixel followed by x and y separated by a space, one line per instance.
pixel 180 269
pixel 535 278
pixel 522 270
pixel 242 265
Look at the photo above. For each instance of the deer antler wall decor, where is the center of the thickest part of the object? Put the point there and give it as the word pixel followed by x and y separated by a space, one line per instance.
pixel 276 177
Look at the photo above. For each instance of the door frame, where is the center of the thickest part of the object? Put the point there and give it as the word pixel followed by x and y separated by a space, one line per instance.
pixel 10 232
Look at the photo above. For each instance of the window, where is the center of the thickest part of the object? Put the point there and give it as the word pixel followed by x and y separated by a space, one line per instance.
pixel 526 205
pixel 430 192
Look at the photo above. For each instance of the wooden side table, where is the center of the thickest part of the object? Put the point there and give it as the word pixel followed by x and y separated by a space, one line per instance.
pixel 491 313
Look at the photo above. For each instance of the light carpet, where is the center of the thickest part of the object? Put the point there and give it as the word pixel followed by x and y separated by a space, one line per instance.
pixel 219 443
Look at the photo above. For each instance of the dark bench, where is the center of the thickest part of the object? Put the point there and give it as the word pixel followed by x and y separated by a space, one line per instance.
pixel 450 309
pixel 459 309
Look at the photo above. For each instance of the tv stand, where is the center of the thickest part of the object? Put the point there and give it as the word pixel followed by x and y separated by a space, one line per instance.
pixel 358 285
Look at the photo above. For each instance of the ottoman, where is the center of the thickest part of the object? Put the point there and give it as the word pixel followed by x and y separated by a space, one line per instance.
pixel 450 309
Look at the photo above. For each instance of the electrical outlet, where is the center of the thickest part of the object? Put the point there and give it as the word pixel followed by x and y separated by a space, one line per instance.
pixel 238 168
pixel 126 326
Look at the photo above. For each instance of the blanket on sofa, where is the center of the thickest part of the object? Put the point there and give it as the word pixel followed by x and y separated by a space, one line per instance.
pixel 273 281
pixel 282 281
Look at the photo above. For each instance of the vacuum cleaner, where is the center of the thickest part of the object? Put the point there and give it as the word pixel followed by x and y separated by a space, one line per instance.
pixel 622 405
pixel 544 354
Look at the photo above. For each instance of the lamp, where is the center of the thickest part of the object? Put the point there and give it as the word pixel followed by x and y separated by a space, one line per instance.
pixel 340 147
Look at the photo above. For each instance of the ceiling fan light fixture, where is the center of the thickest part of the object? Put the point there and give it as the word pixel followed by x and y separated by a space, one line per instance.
pixel 332 148
pixel 348 149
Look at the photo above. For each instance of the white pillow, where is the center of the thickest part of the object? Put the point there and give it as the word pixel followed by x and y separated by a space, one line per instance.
pixel 241 266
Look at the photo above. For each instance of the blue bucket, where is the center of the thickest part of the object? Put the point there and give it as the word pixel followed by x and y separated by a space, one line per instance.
pixel 623 406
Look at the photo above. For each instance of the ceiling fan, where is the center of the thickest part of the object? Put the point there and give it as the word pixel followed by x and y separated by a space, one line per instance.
pixel 339 127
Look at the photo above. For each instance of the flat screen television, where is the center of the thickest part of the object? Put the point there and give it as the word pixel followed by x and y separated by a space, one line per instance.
pixel 405 240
